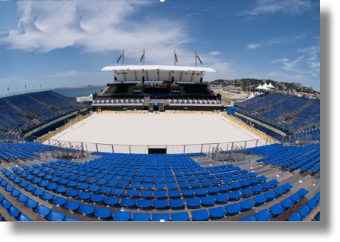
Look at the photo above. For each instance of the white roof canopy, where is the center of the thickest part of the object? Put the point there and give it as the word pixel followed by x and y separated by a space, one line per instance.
pixel 157 72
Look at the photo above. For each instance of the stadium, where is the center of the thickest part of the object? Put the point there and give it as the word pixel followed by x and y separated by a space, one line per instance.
pixel 158 145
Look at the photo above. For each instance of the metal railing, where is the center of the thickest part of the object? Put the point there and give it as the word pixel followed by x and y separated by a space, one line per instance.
pixel 84 148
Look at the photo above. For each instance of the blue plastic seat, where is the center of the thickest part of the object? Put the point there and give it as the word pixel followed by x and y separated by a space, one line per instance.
pixel 232 209
pixel 86 209
pixel 23 217
pixel 117 191
pixel 303 192
pixel 188 193
pixel 160 204
pixel 94 188
pixel 96 198
pixel 140 216
pixel 121 215
pixel 304 210
pixel 276 209
pixel 200 192
pixel 295 197
pixel 173 193
pixel 42 210
pixel 55 216
pixel 180 216
pixel 222 198
pixel 270 195
pixel 234 195
pixel 295 217
pixel 127 202
pixel 287 203
pixel 279 190
pixel 15 192
pixel 47 196
pixel 72 205
pixel 176 203
pixel 160 217
pixel 21 198
pixel 103 213
pixel 13 211
pixel 143 204
pixel 287 186
pixel 60 189
pixel 193 202
pixel 30 188
pixel 145 193
pixel 246 192
pixel 208 201
pixel 84 196
pixel 30 203
pixel 312 203
pixel 159 193
pixel 72 192
pixel 71 219
pixel 111 201
pixel 263 215
pixel 273 183
pixel 246 204
pixel 51 186
pixel 216 213
pixel 317 196
pixel 200 215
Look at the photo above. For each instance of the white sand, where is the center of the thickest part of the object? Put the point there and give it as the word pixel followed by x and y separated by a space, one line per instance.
pixel 156 129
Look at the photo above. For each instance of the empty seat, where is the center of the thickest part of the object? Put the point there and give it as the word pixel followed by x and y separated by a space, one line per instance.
pixel 59 201
pixel 263 215
pixel 127 202
pixel 193 202
pixel 143 204
pixel 72 205
pixel 23 217
pixel 234 195
pixel 276 209
pixel 95 198
pixel 55 216
pixel 111 201
pixel 208 201
pixel 222 198
pixel 140 216
pixel 42 210
pixel 160 217
pixel 176 203
pixel 295 217
pixel 30 203
pixel 180 216
pixel 86 209
pixel 246 204
pixel 200 215
pixel 13 211
pixel 84 196
pixel 160 204
pixel 304 210
pixel 120 215
pixel 232 209
pixel 103 213
pixel 22 198
pixel 216 213
pixel 287 203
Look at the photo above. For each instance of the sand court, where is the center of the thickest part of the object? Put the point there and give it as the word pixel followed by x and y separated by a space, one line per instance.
pixel 156 129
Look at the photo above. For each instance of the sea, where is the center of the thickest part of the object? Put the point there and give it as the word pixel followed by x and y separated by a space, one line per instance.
pixel 78 92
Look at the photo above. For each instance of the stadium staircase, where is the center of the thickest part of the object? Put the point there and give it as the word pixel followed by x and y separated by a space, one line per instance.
pixel 13 106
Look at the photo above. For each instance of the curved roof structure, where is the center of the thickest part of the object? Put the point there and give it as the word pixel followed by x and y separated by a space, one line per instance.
pixel 157 72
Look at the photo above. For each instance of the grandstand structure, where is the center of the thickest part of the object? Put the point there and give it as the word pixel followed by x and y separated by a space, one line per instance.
pixel 157 88
pixel 273 178
pixel 25 114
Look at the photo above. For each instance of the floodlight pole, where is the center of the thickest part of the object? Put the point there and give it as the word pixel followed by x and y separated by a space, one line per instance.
pixel 195 58
pixel 123 56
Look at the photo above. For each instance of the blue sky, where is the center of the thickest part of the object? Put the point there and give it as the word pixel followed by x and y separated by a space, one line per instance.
pixel 66 43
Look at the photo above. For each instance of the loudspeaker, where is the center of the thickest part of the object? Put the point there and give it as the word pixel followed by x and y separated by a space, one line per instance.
pixel 172 79
pixel 201 79
pixel 115 78
pixel 143 79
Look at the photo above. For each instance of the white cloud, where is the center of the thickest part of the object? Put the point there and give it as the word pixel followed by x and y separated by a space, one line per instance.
pixel 253 46
pixel 214 53
pixel 280 60
pixel 291 7
pixel 291 66
pixel 94 26
pixel 313 56
pixel 274 41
